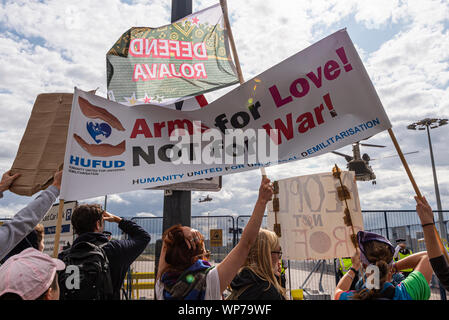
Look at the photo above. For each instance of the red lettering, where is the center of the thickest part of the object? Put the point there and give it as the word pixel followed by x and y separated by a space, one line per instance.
pixel 316 80
pixel 331 70
pixel 277 97
pixel 158 128
pixel 306 122
pixel 141 127
pixel 279 125
pixel 304 86
pixel 319 114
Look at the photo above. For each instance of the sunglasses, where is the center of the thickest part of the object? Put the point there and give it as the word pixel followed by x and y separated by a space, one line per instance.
pixel 278 252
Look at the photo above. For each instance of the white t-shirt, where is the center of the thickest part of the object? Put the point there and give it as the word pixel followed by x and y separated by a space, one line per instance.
pixel 212 287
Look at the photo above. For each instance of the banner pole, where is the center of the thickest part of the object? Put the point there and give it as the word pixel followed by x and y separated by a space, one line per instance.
pixel 404 163
pixel 58 228
pixel 224 8
pixel 415 186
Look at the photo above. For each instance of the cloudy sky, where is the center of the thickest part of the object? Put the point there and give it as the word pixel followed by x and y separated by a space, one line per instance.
pixel 53 46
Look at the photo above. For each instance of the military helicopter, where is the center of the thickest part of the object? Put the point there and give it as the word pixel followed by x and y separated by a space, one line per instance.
pixel 205 199
pixel 360 164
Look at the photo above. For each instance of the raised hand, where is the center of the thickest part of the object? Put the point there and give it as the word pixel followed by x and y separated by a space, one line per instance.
pixel 7 180
pixel 265 190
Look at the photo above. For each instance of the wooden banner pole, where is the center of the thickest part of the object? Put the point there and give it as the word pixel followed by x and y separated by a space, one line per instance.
pixel 404 163
pixel 58 228
pixel 224 8
pixel 415 186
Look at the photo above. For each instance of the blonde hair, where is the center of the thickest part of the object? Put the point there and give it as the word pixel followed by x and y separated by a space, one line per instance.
pixel 259 258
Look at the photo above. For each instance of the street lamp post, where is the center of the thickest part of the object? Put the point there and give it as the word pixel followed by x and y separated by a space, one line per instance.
pixel 427 124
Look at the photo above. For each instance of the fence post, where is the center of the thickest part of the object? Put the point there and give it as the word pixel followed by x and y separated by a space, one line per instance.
pixel 386 224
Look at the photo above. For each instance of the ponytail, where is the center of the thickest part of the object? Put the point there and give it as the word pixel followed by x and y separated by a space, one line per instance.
pixel 379 255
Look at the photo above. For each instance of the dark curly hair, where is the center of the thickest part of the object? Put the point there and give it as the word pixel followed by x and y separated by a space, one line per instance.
pixel 85 218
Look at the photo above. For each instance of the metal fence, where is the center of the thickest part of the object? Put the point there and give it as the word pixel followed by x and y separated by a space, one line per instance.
pixel 317 278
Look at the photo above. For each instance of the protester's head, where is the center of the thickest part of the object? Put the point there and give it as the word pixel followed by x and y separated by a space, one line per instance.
pixel 87 218
pixel 178 255
pixel 35 239
pixel 378 251
pixel 264 256
pixel 30 275
pixel 401 243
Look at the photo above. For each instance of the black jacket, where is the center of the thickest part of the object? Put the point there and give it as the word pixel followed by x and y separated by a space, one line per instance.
pixel 257 289
pixel 121 253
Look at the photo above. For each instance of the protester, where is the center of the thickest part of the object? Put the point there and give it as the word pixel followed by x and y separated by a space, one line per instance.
pixel 30 275
pixel 35 239
pixel 257 279
pixel 183 275
pixel 88 223
pixel 377 251
pixel 12 232
pixel 436 256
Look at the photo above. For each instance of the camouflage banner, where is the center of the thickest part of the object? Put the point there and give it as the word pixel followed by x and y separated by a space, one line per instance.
pixel 171 63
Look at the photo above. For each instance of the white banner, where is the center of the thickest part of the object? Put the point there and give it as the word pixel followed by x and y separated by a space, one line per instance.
pixel 311 216
pixel 316 101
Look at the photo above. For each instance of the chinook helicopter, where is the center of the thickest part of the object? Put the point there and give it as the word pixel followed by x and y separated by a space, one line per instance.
pixel 360 163
pixel 205 199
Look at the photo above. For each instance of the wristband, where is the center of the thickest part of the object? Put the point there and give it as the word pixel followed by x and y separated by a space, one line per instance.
pixel 427 224
pixel 355 271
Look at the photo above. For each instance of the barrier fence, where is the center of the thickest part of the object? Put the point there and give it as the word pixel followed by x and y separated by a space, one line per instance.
pixel 316 279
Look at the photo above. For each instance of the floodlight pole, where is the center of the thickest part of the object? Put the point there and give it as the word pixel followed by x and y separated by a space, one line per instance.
pixel 425 124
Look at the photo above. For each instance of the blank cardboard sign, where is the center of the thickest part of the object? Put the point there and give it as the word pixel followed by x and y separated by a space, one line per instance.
pixel 41 151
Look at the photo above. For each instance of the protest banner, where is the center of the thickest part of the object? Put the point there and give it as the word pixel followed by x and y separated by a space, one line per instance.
pixel 316 101
pixel 50 223
pixel 172 63
pixel 41 150
pixel 311 216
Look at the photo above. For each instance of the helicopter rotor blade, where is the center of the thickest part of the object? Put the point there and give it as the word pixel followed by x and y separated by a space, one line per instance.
pixel 372 145
pixel 395 155
pixel 348 158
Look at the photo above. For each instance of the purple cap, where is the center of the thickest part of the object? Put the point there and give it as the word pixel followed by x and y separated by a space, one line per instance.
pixel 364 237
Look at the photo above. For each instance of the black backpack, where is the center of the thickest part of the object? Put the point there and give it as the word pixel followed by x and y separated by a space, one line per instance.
pixel 94 273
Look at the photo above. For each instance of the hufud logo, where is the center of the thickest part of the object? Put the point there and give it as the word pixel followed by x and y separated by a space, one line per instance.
pixel 99 131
